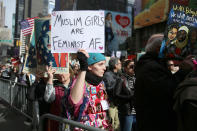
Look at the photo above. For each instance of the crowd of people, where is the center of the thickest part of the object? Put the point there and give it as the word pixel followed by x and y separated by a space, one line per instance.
pixel 127 95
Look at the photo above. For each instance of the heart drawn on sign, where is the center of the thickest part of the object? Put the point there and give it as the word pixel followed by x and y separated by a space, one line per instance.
pixel 100 47
pixel 124 21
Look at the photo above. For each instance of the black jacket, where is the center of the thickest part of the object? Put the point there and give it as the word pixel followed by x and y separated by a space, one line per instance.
pixel 125 95
pixel 110 78
pixel 154 90
pixel 186 103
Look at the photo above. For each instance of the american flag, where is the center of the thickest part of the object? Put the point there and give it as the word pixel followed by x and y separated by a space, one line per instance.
pixel 27 26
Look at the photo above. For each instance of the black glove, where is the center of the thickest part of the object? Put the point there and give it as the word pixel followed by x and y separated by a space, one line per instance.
pixel 82 61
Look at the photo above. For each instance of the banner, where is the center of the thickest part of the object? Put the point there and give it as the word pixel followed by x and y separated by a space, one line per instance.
pixel 181 33
pixel 74 30
pixel 59 61
pixel 117 29
pixel 152 12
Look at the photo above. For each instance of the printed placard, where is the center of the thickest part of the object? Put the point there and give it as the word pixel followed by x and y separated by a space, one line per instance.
pixel 117 30
pixel 74 30
pixel 58 61
pixel 30 65
pixel 181 33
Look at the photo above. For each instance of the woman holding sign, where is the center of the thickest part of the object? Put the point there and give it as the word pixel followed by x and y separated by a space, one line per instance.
pixel 87 101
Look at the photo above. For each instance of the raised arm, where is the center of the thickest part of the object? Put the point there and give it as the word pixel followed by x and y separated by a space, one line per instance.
pixel 49 94
pixel 78 89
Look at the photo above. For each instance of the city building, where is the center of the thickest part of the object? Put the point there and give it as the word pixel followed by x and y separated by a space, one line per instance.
pixel 2 14
pixel 118 5
pixel 7 25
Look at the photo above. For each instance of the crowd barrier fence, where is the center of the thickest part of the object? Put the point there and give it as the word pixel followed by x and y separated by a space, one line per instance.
pixel 14 94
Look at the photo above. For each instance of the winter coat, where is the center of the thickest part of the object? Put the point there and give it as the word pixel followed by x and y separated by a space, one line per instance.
pixel 125 95
pixel 110 78
pixel 186 103
pixel 154 90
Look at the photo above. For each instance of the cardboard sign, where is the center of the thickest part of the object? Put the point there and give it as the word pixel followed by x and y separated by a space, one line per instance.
pixel 74 30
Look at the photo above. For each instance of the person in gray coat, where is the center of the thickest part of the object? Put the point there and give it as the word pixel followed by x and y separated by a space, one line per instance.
pixel 110 79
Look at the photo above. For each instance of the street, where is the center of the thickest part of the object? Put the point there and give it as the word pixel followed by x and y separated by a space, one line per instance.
pixel 10 120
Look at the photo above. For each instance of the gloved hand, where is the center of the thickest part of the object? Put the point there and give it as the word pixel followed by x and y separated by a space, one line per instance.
pixel 82 61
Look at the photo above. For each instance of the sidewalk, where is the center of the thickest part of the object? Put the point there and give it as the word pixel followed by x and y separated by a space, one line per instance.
pixel 11 120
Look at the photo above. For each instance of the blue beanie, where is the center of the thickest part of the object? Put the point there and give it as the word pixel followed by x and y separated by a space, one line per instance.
pixel 95 57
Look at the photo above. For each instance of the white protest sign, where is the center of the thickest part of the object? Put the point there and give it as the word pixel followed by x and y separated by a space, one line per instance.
pixel 74 30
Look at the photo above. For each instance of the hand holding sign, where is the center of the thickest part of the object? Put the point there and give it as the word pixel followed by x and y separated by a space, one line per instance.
pixel 82 56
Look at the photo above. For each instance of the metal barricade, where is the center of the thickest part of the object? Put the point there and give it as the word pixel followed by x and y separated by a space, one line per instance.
pixel 15 95
pixel 66 121
pixel 5 90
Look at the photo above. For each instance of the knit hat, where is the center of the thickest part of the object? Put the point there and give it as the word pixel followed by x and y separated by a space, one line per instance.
pixel 95 57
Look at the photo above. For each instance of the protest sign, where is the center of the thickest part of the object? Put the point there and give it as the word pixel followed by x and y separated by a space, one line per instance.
pixel 74 30
pixel 181 33
pixel 59 61
pixel 117 31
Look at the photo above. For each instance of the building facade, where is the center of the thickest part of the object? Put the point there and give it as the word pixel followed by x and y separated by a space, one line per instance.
pixel 2 14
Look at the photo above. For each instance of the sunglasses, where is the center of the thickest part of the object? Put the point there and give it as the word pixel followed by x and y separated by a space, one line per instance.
pixel 131 66
pixel 171 65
